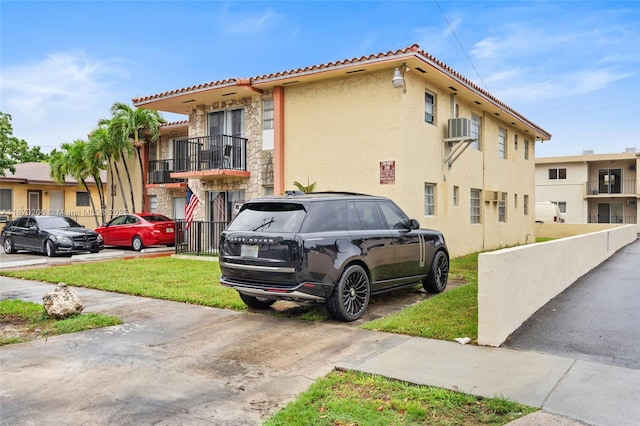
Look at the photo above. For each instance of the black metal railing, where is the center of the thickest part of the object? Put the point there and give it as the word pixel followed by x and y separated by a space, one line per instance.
pixel 601 187
pixel 623 220
pixel 198 238
pixel 210 153
pixel 160 171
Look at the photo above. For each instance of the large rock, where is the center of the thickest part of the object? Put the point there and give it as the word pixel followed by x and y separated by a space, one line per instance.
pixel 62 302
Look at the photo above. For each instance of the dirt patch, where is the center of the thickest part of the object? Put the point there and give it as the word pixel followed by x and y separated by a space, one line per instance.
pixel 14 327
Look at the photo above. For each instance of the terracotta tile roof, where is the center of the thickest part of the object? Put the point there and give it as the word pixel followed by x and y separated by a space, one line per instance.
pixel 175 124
pixel 39 173
pixel 411 51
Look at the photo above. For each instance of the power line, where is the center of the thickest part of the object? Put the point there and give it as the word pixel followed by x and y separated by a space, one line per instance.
pixel 460 44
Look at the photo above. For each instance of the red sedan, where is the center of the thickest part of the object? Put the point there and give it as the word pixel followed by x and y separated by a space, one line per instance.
pixel 139 230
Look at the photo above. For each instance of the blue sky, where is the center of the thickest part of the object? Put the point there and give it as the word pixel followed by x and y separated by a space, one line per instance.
pixel 572 67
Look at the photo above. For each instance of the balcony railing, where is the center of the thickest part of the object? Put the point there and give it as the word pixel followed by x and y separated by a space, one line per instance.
pixel 210 153
pixel 628 187
pixel 625 220
pixel 160 171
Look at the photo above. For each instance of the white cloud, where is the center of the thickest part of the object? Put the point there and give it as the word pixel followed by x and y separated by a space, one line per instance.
pixel 245 23
pixel 59 98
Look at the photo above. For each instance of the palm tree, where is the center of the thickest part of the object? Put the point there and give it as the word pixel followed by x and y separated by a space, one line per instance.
pixel 112 153
pixel 138 126
pixel 72 161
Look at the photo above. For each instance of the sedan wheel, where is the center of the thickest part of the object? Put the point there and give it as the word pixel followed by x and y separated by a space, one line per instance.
pixel 438 276
pixel 136 243
pixel 8 246
pixel 351 295
pixel 49 248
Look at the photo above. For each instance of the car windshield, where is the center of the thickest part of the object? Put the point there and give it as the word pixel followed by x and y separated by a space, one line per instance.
pixel 269 217
pixel 57 222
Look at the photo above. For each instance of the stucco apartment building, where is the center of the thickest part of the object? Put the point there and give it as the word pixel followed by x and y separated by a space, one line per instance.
pixel 30 190
pixel 400 124
pixel 592 188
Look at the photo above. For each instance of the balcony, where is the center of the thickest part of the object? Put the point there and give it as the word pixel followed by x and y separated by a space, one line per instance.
pixel 200 157
pixel 160 172
pixel 598 188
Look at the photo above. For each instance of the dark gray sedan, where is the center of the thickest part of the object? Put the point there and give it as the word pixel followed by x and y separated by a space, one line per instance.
pixel 50 235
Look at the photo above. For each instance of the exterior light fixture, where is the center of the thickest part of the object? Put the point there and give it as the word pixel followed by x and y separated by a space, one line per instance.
pixel 398 77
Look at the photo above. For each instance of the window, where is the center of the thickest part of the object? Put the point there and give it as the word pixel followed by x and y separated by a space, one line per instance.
pixel 475 205
pixel 82 198
pixel 526 149
pixel 456 195
pixel 525 205
pixel 515 201
pixel 429 199
pixel 429 107
pixel 267 114
pixel 557 174
pixel 476 130
pixel 610 181
pixel 153 203
pixel 393 215
pixel 515 142
pixel 502 143
pixel 562 206
pixel 502 207
pixel 5 199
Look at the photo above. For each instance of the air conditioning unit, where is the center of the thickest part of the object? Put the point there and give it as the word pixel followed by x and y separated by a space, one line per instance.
pixel 490 196
pixel 459 128
pixel 632 166
pixel 632 202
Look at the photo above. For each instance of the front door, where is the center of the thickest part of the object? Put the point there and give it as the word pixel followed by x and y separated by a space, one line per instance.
pixel 33 201
pixel 56 203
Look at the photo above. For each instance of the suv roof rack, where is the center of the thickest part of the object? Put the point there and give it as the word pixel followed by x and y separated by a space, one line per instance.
pixel 311 194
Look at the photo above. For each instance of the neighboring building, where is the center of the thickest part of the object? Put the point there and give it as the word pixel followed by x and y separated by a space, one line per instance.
pixel 30 190
pixel 399 124
pixel 592 188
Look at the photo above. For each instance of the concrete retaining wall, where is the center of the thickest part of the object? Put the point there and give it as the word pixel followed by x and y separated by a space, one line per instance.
pixel 514 283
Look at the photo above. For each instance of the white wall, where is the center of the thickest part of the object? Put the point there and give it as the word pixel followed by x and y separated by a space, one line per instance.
pixel 514 283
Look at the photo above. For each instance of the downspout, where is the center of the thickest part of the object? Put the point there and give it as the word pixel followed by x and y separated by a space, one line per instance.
pixel 278 136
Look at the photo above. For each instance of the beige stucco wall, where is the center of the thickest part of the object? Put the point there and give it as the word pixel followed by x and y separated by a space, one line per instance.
pixel 514 283
pixel 338 132
pixel 82 214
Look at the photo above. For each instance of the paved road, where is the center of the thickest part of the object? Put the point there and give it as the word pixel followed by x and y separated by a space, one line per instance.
pixel 596 319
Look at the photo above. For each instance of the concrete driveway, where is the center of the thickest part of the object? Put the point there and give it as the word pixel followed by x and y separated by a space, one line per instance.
pixel 170 363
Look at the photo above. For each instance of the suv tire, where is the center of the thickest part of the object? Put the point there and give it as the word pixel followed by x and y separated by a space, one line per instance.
pixel 438 276
pixel 351 295
pixel 257 302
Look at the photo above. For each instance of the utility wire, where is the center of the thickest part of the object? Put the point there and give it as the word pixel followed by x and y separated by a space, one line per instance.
pixel 460 44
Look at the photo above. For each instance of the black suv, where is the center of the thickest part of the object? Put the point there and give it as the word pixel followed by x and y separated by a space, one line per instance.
pixel 333 248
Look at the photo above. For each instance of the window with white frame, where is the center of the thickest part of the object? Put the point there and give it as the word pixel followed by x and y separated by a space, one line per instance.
pixel 502 143
pixel 153 203
pixel 525 204
pixel 476 129
pixel 456 195
pixel 6 199
pixel 267 114
pixel 562 206
pixel 560 173
pixel 476 195
pixel 429 199
pixel 429 107
pixel 502 207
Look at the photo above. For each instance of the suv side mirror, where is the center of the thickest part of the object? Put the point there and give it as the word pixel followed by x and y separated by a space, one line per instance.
pixel 414 224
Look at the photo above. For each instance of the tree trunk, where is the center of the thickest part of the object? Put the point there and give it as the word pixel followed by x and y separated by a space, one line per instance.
pixel 126 168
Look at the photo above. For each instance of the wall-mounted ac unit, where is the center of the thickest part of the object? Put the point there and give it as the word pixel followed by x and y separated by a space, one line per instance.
pixel 490 196
pixel 632 202
pixel 459 128
pixel 632 166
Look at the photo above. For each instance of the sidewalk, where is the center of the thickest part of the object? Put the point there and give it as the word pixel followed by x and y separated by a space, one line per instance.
pixel 569 391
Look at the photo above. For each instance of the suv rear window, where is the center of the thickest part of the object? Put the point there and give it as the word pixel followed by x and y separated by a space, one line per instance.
pixel 269 217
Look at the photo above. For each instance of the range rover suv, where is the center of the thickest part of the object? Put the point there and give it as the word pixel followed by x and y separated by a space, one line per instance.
pixel 332 248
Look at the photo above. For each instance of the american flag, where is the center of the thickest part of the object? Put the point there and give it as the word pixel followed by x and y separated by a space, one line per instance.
pixel 190 204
